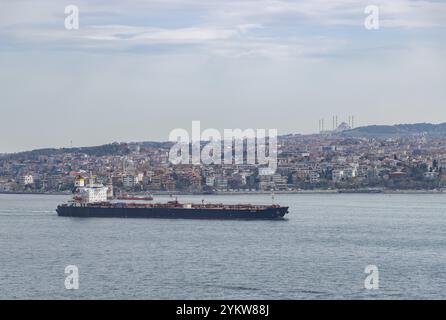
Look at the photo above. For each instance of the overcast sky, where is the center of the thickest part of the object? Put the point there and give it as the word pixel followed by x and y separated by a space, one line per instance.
pixel 135 70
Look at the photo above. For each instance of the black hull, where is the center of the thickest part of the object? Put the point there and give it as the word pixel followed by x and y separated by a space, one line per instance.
pixel 171 213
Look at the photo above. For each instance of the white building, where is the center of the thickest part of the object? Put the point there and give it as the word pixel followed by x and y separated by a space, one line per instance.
pixel 266 185
pixel 129 181
pixel 350 172
pixel 139 177
pixel 337 175
pixel 26 180
pixel 266 171
pixel 280 182
pixel 314 177
pixel 210 181
pixel 221 183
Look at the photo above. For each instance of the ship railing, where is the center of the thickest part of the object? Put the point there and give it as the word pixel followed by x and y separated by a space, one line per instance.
pixel 179 205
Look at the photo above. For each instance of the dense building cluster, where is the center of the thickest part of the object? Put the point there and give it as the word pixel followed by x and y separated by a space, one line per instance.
pixel 320 161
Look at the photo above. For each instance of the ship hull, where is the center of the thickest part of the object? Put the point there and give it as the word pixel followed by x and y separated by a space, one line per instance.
pixel 172 213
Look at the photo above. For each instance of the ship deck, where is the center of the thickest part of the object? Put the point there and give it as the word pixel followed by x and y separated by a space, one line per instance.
pixel 174 205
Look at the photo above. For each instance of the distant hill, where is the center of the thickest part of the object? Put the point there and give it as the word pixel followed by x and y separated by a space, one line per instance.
pixel 102 150
pixel 398 130
pixel 113 148
pixel 374 131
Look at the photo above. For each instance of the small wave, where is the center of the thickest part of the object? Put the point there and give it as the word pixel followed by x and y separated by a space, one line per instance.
pixel 236 288
pixel 42 214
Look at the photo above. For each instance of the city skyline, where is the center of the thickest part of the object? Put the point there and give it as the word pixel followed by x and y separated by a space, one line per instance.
pixel 334 127
pixel 330 162
pixel 134 73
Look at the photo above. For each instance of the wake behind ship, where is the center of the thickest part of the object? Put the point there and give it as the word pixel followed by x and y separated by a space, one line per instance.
pixel 92 202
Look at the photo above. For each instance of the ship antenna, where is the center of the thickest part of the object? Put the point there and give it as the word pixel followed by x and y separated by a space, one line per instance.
pixel 272 197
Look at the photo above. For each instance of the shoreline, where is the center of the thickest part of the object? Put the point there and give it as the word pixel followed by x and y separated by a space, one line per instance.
pixel 228 193
pixel 38 193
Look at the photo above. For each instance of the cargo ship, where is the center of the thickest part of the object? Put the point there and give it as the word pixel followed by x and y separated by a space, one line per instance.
pixel 92 202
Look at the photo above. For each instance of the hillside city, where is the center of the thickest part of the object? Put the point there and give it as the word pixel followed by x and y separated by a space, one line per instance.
pixel 325 161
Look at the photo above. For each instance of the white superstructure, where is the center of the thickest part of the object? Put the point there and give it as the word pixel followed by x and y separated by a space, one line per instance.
pixel 93 193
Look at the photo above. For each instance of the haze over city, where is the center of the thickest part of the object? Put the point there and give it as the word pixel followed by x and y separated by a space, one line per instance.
pixel 135 71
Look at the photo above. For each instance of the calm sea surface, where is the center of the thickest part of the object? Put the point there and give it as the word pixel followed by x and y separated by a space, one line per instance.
pixel 320 251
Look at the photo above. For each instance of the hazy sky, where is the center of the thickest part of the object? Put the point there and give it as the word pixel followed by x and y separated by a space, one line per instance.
pixel 135 70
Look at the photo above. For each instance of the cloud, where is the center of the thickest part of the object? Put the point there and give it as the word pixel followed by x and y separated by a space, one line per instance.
pixel 145 35
pixel 240 28
pixel 399 13
pixel 160 64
